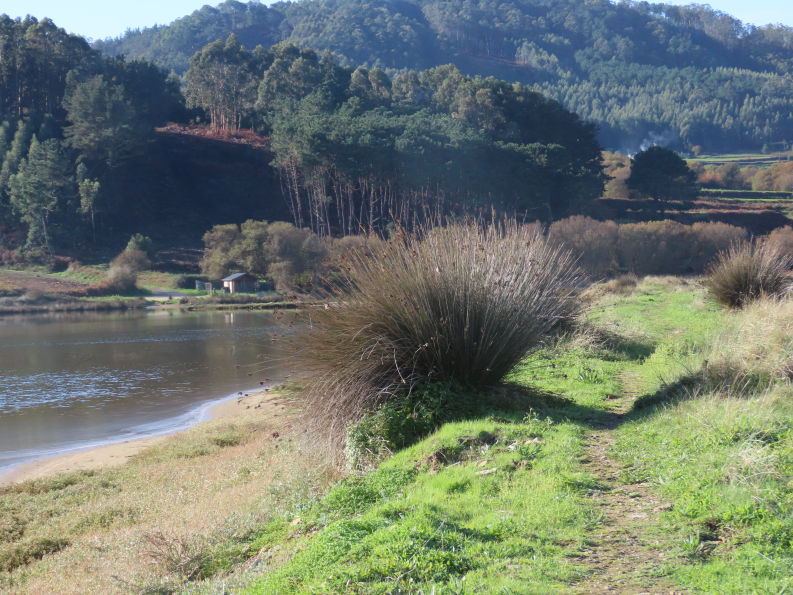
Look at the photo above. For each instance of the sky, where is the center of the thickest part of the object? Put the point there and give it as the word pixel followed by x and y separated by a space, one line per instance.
pixel 98 19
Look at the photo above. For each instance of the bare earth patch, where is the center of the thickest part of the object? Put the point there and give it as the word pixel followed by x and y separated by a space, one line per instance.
pixel 23 282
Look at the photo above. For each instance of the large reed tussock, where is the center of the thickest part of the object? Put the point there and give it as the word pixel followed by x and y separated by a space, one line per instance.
pixel 462 303
pixel 748 271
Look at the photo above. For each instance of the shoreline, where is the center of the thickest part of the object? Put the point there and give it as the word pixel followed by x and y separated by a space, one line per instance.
pixel 115 453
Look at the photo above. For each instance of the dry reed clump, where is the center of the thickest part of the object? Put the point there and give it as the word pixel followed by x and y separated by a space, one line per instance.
pixel 746 272
pixel 463 303
pixel 756 347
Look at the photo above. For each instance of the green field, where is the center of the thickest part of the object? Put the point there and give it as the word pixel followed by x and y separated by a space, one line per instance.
pixel 742 159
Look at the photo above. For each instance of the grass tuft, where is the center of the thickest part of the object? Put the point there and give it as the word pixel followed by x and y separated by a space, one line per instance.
pixel 463 303
pixel 747 272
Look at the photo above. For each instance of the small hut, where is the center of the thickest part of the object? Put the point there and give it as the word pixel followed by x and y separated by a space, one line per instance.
pixel 240 283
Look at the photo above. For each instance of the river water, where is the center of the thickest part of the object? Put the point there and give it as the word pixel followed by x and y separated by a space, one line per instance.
pixel 74 381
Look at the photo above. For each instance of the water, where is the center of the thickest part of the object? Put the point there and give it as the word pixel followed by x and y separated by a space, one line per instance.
pixel 74 381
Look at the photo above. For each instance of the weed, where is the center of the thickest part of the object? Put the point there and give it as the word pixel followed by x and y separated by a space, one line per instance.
pixel 178 555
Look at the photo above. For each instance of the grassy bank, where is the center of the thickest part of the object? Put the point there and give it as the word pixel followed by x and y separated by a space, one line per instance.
pixel 650 451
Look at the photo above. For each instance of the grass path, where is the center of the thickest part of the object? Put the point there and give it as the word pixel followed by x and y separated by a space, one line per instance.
pixel 626 556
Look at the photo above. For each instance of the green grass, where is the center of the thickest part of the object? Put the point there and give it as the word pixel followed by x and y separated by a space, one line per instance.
pixel 484 504
pixel 503 503
pixel 724 463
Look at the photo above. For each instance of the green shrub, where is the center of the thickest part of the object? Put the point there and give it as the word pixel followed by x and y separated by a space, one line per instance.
pixel 406 419
pixel 143 244
pixel 748 271
pixel 463 303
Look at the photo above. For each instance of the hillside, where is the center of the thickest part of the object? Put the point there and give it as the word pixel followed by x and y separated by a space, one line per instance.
pixel 689 77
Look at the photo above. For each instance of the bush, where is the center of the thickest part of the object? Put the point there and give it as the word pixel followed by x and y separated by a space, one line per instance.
pixel 464 304
pixel 746 272
pixel 671 248
pixel 405 420
pixel 781 239
pixel 593 242
pixel 142 243
pixel 134 260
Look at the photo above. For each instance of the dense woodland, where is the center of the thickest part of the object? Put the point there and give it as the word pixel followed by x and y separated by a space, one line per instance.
pixel 357 150
pixel 689 77
pixel 354 150
pixel 68 119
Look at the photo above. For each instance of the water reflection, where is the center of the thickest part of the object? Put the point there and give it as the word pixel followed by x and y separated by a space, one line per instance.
pixel 67 380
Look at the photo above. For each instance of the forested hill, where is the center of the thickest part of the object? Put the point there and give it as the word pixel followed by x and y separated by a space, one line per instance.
pixel 687 76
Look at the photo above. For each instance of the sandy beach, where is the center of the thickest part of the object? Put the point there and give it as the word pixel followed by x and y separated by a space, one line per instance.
pixel 118 453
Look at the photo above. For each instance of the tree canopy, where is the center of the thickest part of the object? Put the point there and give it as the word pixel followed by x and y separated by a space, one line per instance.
pixel 645 73
pixel 661 174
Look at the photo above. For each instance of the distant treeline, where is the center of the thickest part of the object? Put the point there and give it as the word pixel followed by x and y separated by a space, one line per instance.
pixel 686 76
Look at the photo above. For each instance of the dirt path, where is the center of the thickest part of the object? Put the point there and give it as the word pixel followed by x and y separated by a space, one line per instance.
pixel 625 555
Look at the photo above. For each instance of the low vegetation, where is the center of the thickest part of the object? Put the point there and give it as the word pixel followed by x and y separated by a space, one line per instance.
pixel 462 303
pixel 662 419
pixel 748 271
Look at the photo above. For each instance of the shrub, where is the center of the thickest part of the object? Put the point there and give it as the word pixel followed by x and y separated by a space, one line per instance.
pixel 134 260
pixel 781 239
pixel 593 242
pixel 671 248
pixel 188 281
pixel 142 243
pixel 122 276
pixel 462 304
pixel 748 271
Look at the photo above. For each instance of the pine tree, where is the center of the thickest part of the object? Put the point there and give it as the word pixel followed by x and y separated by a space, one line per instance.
pixel 43 182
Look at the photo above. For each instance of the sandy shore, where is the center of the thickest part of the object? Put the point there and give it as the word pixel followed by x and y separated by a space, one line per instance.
pixel 119 453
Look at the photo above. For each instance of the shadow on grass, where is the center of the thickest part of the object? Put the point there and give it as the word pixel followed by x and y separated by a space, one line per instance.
pixel 517 398
pixel 624 347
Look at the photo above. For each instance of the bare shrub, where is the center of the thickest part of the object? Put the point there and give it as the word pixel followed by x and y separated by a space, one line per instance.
pixel 463 303
pixel 654 247
pixel 671 248
pixel 709 239
pixel 748 271
pixel 133 259
pixel 592 242
pixel 781 239
pixel 177 555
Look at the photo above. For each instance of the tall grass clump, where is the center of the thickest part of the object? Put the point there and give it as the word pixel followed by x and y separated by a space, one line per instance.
pixel 756 345
pixel 462 303
pixel 746 272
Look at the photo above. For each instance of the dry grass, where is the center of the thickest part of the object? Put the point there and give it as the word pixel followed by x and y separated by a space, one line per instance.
pixel 146 525
pixel 462 303
pixel 748 271
pixel 756 346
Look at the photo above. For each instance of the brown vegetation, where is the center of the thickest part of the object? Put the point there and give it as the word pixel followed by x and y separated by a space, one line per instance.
pixel 462 303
